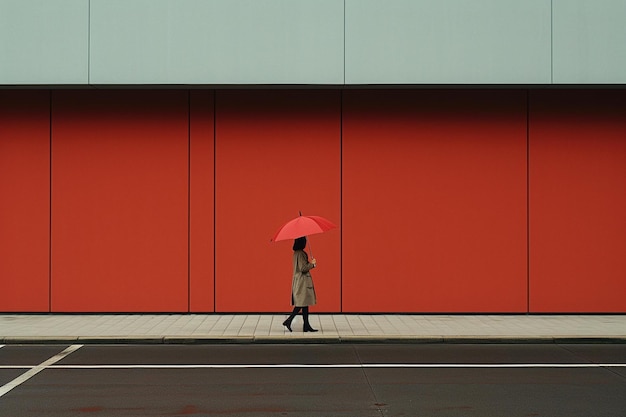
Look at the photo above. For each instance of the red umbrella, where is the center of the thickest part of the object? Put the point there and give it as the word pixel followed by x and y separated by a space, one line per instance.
pixel 303 226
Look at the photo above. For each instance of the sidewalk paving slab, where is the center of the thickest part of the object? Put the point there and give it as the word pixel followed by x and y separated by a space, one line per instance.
pixel 333 328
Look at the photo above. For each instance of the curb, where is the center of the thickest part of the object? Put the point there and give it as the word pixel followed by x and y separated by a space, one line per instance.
pixel 236 340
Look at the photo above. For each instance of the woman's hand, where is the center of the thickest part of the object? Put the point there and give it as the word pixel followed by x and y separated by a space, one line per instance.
pixel 314 262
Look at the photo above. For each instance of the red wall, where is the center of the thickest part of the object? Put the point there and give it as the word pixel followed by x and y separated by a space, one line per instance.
pixel 434 201
pixel 120 182
pixel 578 201
pixel 24 200
pixel 447 200
pixel 201 201
pixel 276 154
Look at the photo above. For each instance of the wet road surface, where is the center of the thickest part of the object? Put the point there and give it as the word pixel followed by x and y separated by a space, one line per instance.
pixel 314 380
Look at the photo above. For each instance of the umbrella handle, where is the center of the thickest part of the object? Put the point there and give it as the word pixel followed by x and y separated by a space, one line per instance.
pixel 310 249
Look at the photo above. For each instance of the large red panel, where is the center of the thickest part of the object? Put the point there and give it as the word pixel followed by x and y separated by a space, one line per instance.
pixel 578 201
pixel 277 152
pixel 24 200
pixel 434 201
pixel 120 201
pixel 201 233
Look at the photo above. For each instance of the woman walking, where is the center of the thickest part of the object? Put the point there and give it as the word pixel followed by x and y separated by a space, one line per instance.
pixel 302 289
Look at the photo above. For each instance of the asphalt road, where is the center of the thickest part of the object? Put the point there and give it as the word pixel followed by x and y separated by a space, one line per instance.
pixel 314 380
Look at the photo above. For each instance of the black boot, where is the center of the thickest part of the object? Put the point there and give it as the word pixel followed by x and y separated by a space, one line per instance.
pixel 307 325
pixel 287 323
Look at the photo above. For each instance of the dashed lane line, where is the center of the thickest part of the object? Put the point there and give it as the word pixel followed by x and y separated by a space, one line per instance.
pixel 36 369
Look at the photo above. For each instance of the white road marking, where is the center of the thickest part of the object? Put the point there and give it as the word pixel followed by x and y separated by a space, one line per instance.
pixel 327 366
pixel 36 369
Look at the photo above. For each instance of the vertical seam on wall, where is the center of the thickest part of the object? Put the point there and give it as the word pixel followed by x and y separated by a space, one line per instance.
pixel 214 197
pixel 528 201
pixel 189 201
pixel 341 201
pixel 344 44
pixel 50 208
pixel 89 42
pixel 551 42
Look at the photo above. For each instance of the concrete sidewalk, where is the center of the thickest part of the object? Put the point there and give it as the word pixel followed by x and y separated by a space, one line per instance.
pixel 333 328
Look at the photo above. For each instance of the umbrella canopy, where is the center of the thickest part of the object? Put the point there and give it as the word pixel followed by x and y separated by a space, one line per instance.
pixel 303 226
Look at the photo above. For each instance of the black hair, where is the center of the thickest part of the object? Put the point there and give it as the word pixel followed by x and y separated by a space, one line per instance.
pixel 299 243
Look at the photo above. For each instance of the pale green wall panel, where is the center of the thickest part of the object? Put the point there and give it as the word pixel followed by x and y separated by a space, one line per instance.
pixel 447 41
pixel 252 42
pixel 43 42
pixel 216 42
pixel 589 40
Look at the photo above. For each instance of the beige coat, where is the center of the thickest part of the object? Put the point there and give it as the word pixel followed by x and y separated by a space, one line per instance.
pixel 302 290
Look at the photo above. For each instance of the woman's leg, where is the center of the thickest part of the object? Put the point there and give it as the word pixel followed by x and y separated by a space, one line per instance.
pixel 307 325
pixel 287 323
